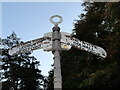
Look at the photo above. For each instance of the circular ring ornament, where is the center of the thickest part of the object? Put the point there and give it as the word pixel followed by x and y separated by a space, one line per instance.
pixel 56 23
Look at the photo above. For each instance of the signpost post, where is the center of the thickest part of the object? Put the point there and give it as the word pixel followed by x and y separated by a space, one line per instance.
pixel 56 41
pixel 56 48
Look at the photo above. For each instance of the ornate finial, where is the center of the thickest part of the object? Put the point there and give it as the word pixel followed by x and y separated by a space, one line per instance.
pixel 56 23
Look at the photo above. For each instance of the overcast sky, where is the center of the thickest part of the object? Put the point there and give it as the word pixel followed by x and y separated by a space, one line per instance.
pixel 30 20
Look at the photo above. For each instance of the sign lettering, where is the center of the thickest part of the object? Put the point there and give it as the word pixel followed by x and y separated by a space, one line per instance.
pixel 28 46
pixel 82 45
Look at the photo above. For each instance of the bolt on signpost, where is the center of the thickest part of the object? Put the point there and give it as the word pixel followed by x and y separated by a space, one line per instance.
pixel 57 41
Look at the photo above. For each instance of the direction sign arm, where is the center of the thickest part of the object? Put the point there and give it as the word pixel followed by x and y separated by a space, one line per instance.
pixel 82 45
pixel 29 46
pixel 88 47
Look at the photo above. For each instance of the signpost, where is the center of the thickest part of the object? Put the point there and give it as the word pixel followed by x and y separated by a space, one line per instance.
pixel 56 41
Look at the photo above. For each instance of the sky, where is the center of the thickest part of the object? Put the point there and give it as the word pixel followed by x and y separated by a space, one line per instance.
pixel 30 20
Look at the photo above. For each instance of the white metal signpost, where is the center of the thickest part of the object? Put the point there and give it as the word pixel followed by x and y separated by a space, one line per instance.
pixel 56 41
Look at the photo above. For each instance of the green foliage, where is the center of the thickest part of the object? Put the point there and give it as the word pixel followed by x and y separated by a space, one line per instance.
pixel 20 71
pixel 49 83
pixel 100 25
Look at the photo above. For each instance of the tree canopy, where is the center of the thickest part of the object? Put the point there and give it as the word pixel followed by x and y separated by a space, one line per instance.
pixel 99 25
pixel 21 71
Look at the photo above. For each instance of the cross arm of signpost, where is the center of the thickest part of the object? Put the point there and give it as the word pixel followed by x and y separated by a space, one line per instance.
pixel 82 45
pixel 29 46
pixel 67 42
pixel 44 43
